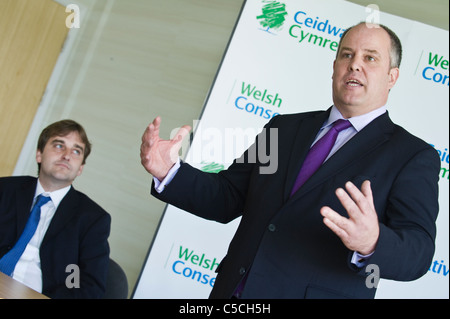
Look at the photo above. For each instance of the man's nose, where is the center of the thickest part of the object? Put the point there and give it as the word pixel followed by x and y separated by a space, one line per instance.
pixel 66 155
pixel 355 65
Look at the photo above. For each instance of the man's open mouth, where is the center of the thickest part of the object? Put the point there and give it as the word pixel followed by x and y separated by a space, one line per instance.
pixel 354 83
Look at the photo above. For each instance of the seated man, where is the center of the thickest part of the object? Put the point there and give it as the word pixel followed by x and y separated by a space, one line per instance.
pixel 61 248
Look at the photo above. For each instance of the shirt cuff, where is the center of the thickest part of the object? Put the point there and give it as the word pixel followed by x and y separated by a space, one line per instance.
pixel 360 260
pixel 160 185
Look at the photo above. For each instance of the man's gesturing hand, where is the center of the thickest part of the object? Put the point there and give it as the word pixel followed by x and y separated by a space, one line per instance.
pixel 158 155
pixel 360 231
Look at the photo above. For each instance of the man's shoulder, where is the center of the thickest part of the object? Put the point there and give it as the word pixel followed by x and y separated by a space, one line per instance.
pixel 15 181
pixel 409 139
pixel 302 115
pixel 284 120
pixel 87 204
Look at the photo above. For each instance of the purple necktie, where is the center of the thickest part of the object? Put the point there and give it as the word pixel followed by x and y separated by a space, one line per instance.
pixel 318 153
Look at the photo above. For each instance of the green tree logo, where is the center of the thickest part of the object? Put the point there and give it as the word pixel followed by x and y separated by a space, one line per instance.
pixel 212 167
pixel 273 15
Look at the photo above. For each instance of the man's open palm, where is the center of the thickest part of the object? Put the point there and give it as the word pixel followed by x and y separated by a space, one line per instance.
pixel 158 155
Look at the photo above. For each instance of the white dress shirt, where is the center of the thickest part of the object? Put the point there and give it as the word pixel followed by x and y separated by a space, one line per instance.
pixel 28 268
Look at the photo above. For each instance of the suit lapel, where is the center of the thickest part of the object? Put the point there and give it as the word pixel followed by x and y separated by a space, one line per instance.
pixel 305 135
pixel 24 200
pixel 66 210
pixel 367 140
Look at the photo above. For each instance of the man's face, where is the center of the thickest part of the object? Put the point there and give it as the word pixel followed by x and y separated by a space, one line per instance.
pixel 61 161
pixel 362 74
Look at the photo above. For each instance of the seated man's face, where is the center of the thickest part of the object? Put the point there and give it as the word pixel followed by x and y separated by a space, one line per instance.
pixel 61 160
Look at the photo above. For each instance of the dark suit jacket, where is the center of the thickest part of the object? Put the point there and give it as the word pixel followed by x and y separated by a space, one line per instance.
pixel 282 246
pixel 77 235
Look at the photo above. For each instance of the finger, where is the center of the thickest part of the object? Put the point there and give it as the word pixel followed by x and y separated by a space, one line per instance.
pixel 148 131
pixel 341 233
pixel 151 133
pixel 335 222
pixel 146 142
pixel 182 133
pixel 157 122
pixel 148 134
pixel 176 142
pixel 334 217
pixel 360 199
pixel 348 203
pixel 154 127
pixel 367 191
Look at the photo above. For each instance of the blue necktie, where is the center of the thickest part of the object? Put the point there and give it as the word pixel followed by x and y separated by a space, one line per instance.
pixel 10 259
pixel 318 153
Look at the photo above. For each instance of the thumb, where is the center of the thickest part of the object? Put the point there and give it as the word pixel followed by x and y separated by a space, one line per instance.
pixel 182 133
pixel 177 141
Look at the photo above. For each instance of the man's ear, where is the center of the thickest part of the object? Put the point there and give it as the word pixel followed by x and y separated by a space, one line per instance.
pixel 38 156
pixel 80 170
pixel 394 73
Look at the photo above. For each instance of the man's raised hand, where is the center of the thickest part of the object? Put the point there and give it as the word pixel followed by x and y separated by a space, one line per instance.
pixel 360 231
pixel 158 155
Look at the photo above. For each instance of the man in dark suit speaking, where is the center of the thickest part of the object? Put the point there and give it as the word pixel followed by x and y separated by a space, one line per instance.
pixel 311 230
pixel 61 248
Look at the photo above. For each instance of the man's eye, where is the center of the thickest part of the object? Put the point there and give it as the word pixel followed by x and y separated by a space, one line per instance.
pixel 77 151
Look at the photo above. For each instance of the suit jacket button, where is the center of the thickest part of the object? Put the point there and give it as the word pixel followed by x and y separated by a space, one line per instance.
pixel 272 227
pixel 242 271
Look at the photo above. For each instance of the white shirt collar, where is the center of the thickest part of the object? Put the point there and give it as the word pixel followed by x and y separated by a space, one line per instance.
pixel 56 196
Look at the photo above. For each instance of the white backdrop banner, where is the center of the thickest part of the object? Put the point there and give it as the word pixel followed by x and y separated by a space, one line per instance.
pixel 279 60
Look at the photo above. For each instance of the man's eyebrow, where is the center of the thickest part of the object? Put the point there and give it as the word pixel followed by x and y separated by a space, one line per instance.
pixel 372 51
pixel 58 141
pixel 79 147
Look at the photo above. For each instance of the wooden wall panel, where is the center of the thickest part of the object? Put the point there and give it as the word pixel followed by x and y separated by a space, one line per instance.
pixel 31 37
